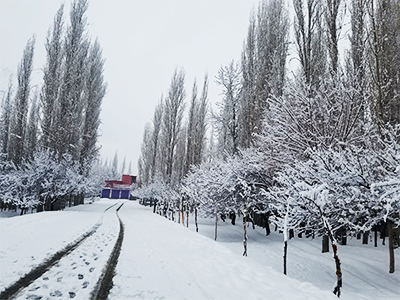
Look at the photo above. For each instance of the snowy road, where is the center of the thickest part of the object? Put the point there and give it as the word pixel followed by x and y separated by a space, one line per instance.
pixel 76 274
pixel 161 259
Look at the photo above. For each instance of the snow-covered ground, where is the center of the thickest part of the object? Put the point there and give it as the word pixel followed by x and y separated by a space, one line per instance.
pixel 161 259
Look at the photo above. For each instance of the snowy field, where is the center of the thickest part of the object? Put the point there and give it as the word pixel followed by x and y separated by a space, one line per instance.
pixel 161 259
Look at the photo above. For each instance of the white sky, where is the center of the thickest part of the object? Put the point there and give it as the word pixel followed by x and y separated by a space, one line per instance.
pixel 143 42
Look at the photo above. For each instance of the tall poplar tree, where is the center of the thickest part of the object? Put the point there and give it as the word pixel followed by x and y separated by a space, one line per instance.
pixel 174 106
pixel 384 61
pixel 52 75
pixel 70 103
pixel 95 90
pixel 6 110
pixel 20 110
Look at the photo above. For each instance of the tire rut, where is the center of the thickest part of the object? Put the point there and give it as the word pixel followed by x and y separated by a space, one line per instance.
pixel 105 283
pixel 11 291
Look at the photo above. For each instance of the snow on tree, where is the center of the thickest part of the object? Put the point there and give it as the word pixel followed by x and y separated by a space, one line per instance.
pixel 298 121
pixel 384 61
pixel 95 90
pixel 20 110
pixel 227 119
pixel 32 129
pixel 5 118
pixel 145 159
pixel 52 75
pixel 114 167
pixel 174 106
pixel 196 128
pixel 310 42
pixel 70 103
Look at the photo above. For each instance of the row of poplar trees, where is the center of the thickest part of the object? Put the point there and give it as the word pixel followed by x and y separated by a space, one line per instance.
pixel 170 145
pixel 329 100
pixel 61 117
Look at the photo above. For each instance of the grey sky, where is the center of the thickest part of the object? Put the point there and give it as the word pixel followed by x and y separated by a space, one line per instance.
pixel 143 42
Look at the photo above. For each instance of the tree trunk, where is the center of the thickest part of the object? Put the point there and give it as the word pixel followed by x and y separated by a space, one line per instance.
pixel 284 256
pixel 389 225
pixel 216 223
pixel 365 238
pixel 195 218
pixel 376 237
pixel 183 215
pixel 338 283
pixel 383 233
pixel 267 229
pixel 325 244
pixel 245 234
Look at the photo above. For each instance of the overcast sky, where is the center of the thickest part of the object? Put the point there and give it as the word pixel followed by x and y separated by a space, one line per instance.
pixel 143 42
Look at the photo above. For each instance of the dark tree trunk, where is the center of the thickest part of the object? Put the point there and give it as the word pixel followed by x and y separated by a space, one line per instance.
pixel 391 246
pixel 383 233
pixel 284 257
pixel 376 237
pixel 325 244
pixel 291 234
pixel 195 219
pixel 267 229
pixel 365 238
pixel 245 235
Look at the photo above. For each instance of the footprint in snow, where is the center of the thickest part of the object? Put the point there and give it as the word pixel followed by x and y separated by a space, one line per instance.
pixel 91 269
pixel 80 276
pixel 72 294
pixel 59 279
pixel 56 294
pixel 34 297
pixel 85 284
pixel 45 278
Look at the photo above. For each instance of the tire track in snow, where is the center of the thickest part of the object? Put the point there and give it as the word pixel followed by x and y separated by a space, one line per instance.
pixel 11 291
pixel 105 282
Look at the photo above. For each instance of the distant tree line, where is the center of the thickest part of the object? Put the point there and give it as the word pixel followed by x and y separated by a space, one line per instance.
pixel 49 135
pixel 316 150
